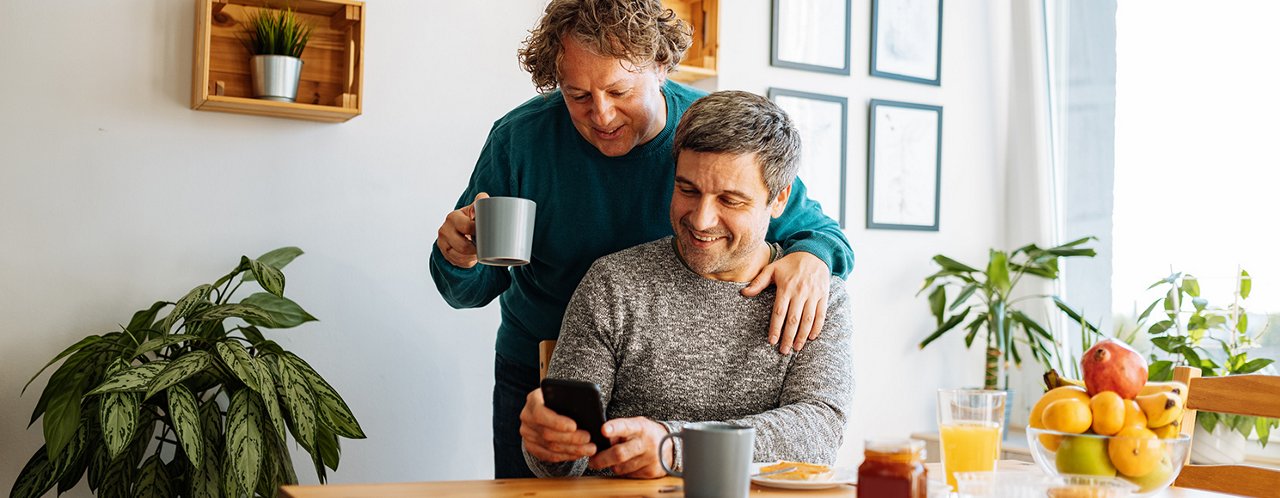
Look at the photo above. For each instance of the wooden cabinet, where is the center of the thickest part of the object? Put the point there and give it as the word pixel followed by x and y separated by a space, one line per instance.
pixel 333 62
pixel 700 60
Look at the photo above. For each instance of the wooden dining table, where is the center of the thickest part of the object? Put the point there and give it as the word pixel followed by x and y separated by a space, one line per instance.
pixel 605 487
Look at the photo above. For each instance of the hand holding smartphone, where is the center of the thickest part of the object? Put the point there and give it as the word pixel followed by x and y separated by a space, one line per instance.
pixel 580 401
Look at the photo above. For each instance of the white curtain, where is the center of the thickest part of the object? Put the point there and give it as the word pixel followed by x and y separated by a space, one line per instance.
pixel 1030 187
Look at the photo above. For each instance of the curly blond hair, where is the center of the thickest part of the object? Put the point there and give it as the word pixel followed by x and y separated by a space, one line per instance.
pixel 641 32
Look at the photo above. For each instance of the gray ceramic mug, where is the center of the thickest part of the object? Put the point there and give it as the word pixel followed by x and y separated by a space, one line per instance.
pixel 717 459
pixel 504 230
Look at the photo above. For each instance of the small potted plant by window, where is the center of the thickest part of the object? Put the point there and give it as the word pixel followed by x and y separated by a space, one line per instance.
pixel 1218 340
pixel 276 39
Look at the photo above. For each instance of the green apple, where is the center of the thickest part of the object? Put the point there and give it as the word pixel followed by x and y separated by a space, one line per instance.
pixel 1158 478
pixel 1085 456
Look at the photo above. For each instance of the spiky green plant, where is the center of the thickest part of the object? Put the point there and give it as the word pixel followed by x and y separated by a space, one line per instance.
pixel 275 32
pixel 196 402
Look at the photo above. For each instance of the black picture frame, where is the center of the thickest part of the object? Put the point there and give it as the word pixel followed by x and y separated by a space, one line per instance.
pixel 780 50
pixel 825 181
pixel 900 167
pixel 899 54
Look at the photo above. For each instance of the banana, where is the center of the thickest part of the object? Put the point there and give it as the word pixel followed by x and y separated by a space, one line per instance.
pixel 1161 408
pixel 1052 380
pixel 1169 431
pixel 1172 386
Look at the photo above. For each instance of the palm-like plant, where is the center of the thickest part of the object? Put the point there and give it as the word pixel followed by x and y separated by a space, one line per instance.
pixel 276 32
pixel 197 402
pixel 986 300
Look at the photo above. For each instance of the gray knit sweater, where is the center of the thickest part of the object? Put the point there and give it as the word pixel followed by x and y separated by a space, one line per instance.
pixel 665 343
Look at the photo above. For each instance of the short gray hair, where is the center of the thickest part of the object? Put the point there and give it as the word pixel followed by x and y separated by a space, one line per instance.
pixel 736 122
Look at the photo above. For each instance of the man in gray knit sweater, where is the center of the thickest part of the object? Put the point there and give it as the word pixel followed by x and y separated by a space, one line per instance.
pixel 665 332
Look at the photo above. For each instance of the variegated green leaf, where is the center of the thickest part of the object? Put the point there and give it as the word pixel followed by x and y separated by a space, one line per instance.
pixel 133 379
pixel 122 473
pixel 237 358
pixel 186 422
pixel 163 342
pixel 284 461
pixel 278 258
pixel 282 313
pixel 244 439
pixel 334 411
pixel 271 279
pixel 327 446
pixel 301 404
pixel 98 466
pixel 118 419
pixel 154 480
pixel 178 370
pixel 270 399
pixel 248 312
pixel 185 306
pixel 207 478
pixel 41 473
pixel 36 478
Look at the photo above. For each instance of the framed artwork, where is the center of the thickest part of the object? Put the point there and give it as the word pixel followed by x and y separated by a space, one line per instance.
pixel 813 35
pixel 904 166
pixel 823 124
pixel 906 40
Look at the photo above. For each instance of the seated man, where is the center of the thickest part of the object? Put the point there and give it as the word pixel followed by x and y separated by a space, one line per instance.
pixel 664 331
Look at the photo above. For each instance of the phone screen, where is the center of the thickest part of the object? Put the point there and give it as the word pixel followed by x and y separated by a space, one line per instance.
pixel 580 401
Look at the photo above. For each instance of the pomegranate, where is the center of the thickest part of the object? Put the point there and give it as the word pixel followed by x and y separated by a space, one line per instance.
pixel 1111 365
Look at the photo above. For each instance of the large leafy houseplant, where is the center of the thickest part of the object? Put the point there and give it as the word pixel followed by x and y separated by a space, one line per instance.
pixel 1213 338
pixel 193 402
pixel 985 303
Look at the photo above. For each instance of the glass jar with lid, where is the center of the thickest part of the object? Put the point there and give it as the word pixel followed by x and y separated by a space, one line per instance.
pixel 893 468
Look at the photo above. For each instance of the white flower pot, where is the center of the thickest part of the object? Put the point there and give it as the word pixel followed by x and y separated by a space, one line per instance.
pixel 1222 446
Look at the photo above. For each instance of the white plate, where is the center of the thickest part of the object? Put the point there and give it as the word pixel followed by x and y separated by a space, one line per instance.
pixel 839 477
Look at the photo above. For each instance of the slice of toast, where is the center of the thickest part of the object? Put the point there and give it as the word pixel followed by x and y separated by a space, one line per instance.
pixel 804 471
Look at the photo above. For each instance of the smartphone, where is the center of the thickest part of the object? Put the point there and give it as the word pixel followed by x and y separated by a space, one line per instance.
pixel 580 401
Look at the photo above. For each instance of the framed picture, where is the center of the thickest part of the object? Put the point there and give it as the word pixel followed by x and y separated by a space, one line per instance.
pixel 813 35
pixel 906 40
pixel 823 124
pixel 904 166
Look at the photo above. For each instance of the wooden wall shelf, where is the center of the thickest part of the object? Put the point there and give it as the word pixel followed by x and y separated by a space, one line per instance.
pixel 700 60
pixel 331 86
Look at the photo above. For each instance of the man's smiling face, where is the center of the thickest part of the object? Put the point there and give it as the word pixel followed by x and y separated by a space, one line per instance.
pixel 614 105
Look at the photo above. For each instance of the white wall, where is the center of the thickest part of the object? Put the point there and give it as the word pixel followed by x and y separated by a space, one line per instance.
pixel 114 194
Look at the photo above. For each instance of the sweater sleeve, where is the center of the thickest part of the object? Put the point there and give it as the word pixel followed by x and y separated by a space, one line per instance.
pixel 477 286
pixel 583 352
pixel 803 227
pixel 808 424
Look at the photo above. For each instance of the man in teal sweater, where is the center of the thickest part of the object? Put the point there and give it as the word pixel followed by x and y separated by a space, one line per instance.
pixel 594 152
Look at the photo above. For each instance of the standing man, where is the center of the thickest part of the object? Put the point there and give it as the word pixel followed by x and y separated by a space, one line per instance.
pixel 594 152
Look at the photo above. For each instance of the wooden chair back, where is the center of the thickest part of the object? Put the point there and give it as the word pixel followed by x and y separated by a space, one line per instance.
pixel 545 348
pixel 1256 395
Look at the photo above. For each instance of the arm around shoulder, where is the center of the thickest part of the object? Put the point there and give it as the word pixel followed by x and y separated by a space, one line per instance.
pixel 804 227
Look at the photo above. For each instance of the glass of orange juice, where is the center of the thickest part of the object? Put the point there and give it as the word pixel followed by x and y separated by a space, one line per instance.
pixel 969 422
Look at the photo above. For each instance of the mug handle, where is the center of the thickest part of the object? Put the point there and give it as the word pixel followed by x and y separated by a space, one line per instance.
pixel 663 461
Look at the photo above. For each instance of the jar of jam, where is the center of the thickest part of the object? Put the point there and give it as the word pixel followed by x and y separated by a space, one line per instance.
pixel 893 468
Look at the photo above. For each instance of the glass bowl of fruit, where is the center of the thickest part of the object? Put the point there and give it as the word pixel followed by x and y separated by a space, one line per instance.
pixel 1135 454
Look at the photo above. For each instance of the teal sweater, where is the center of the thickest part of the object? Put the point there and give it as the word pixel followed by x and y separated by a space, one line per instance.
pixel 589 205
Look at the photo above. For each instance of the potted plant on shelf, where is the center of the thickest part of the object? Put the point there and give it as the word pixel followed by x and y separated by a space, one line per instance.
pixel 216 395
pixel 985 303
pixel 276 38
pixel 1216 339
